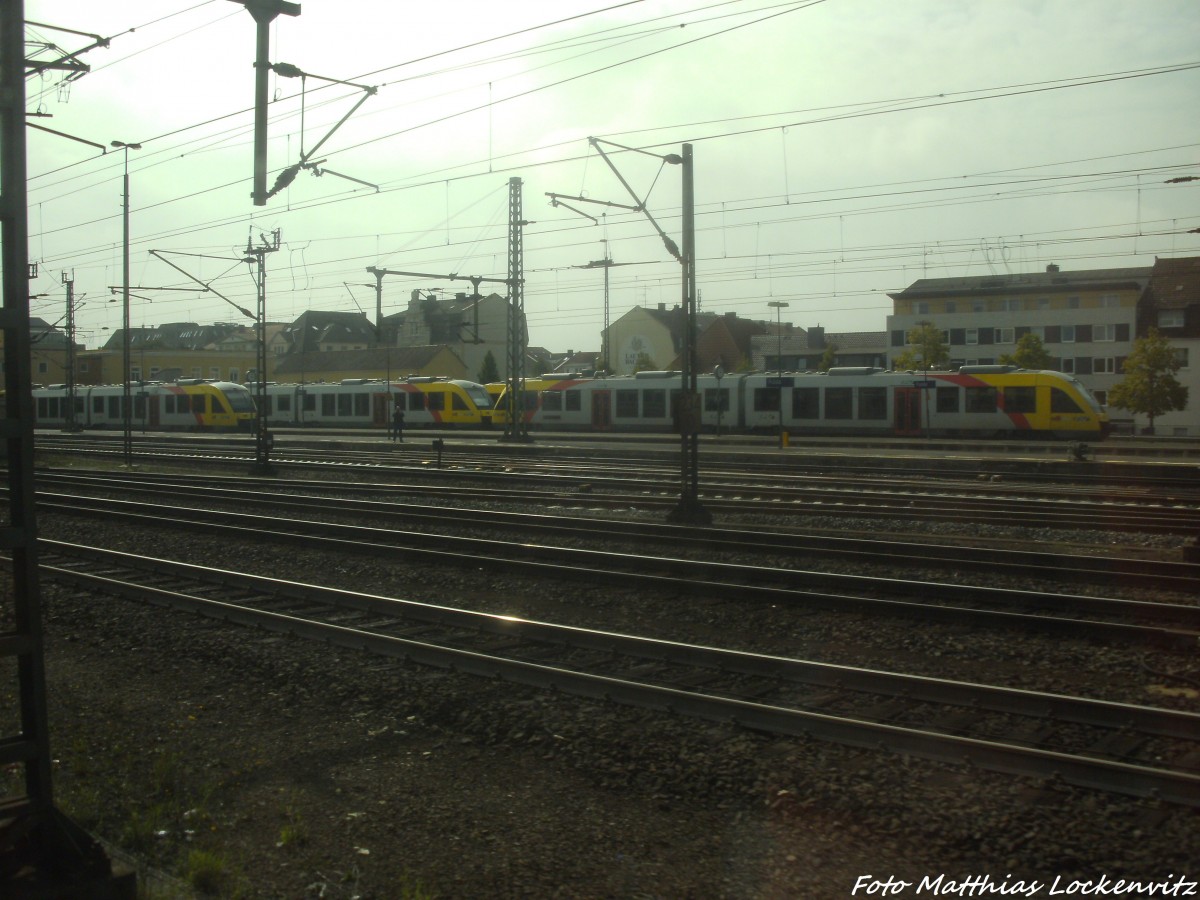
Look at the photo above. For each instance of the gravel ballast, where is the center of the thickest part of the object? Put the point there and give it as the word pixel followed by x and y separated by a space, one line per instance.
pixel 304 771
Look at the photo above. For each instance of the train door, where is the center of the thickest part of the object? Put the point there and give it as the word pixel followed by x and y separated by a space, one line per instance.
pixel 601 410
pixel 155 420
pixel 906 405
pixel 381 411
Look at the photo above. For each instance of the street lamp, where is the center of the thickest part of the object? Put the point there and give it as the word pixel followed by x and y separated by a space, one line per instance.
pixel 779 306
pixel 127 406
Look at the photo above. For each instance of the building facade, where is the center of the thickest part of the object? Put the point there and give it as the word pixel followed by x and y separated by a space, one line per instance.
pixel 1087 321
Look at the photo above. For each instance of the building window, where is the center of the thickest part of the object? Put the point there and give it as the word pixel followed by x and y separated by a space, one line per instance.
pixel 1101 397
pixel 1012 304
pixel 1043 303
pixel 951 306
pixel 972 335
pixel 922 309
pixel 43 368
pixel 1067 335
pixel 1104 332
pixel 1181 356
pixel 1104 365
pixel 215 374
pixel 1170 318
pixel 1072 303
pixel 1067 364
pixel 1109 301
pixel 83 367
pixel 947 399
pixel 1004 336
pixel 978 306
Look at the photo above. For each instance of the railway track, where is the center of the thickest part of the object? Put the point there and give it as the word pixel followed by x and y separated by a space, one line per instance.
pixel 752 491
pixel 1122 748
pixel 1060 566
pixel 1169 624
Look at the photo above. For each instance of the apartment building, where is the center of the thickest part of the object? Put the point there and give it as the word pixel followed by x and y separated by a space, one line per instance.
pixel 1087 320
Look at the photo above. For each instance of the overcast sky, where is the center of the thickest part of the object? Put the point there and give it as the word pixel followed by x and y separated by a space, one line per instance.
pixel 842 150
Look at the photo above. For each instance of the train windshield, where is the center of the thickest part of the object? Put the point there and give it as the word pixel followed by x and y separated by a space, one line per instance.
pixel 1085 394
pixel 478 393
pixel 239 399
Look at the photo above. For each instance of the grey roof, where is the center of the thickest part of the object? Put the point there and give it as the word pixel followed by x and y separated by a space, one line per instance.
pixel 1026 283
pixel 401 360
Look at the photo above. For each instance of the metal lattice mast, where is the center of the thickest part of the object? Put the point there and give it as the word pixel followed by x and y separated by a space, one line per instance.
pixel 262 438
pixel 515 426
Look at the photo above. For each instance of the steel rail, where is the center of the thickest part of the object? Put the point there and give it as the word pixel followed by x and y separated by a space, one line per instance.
pixel 735 581
pixel 1061 566
pixel 1089 771
pixel 940 505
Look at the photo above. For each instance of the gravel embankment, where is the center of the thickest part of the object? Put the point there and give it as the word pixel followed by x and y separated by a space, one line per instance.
pixel 310 772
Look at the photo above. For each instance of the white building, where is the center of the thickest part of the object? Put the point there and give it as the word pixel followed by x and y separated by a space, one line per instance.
pixel 1087 321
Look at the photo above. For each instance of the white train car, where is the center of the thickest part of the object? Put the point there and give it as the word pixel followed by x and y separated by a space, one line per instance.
pixel 974 401
pixel 185 405
pixel 368 403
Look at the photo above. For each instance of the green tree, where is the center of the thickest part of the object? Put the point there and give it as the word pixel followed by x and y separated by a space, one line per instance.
pixel 489 373
pixel 1030 354
pixel 1149 386
pixel 926 349
pixel 828 358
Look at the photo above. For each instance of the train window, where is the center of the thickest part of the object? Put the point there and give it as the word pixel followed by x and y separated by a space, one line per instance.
pixel 654 404
pixel 416 401
pixel 947 399
pixel 169 404
pixel 529 399
pixel 627 404
pixel 345 404
pixel 872 403
pixel 459 403
pixel 328 405
pixel 716 400
pixel 98 405
pixel 362 404
pixel 806 403
pixel 1020 399
pixel 552 401
pixel 198 404
pixel 980 400
pixel 1062 402
pixel 114 407
pixel 574 402
pixel 283 403
pixel 839 403
pixel 436 401
pixel 766 399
